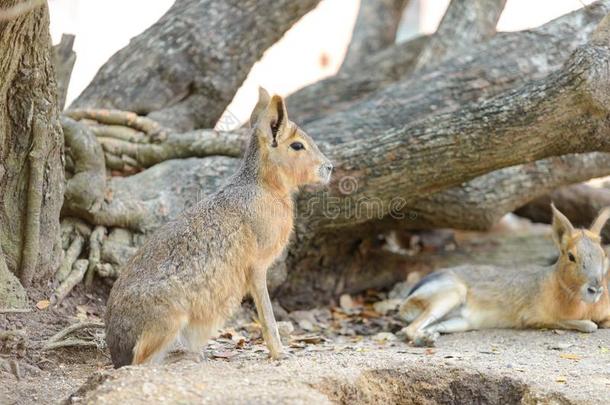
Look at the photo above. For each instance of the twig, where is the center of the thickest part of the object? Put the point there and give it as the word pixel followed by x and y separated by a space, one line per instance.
pixel 70 343
pixel 56 341
pixel 14 310
pixel 20 9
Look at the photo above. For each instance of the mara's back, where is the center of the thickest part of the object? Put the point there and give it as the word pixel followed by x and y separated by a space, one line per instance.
pixel 506 290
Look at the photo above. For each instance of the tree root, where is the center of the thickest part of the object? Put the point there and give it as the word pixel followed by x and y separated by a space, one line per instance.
pixel 95 246
pixel 71 255
pixel 59 340
pixel 199 143
pixel 31 246
pixel 124 118
pixel 70 281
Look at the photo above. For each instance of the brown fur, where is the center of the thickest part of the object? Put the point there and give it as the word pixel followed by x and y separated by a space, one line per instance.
pixel 479 297
pixel 194 272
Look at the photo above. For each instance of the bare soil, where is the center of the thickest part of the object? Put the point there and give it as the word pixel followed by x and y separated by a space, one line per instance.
pixel 350 351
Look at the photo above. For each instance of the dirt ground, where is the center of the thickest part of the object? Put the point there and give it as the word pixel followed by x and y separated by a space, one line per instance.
pixel 350 351
pixel 345 354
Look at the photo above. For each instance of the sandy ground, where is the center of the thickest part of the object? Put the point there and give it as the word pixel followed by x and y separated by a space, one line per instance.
pixel 498 366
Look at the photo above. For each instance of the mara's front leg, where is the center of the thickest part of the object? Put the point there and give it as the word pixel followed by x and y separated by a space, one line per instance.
pixel 585 326
pixel 260 294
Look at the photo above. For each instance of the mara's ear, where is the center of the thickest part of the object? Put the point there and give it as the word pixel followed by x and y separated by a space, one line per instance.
pixel 277 118
pixel 561 225
pixel 261 106
pixel 598 224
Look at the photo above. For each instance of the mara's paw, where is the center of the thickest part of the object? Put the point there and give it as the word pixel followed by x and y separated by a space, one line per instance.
pixel 281 355
pixel 419 338
pixel 588 327
pixel 425 339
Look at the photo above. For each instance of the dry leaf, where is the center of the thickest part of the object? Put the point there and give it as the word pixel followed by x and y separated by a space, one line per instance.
pixel 561 380
pixel 44 304
pixel 570 356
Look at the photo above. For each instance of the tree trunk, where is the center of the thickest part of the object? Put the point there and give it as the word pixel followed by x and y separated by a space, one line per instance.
pixel 31 148
pixel 185 69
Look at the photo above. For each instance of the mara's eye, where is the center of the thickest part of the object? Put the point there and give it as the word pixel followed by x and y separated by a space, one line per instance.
pixel 297 146
pixel 571 257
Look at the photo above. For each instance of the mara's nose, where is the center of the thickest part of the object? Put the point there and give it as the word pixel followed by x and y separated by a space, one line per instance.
pixel 328 167
pixel 595 290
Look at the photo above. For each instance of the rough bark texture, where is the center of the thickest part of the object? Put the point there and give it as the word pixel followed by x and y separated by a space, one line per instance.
pixel 375 29
pixel 185 69
pixel 580 202
pixel 31 147
pixel 465 23
pixel 481 202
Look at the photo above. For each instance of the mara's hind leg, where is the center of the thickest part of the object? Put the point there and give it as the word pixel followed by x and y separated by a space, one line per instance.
pixel 153 344
pixel 194 336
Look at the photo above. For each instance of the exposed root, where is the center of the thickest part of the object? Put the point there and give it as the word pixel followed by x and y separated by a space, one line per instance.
pixel 125 118
pixel 119 132
pixel 31 245
pixel 201 143
pixel 95 246
pixel 75 277
pixel 89 340
pixel 72 254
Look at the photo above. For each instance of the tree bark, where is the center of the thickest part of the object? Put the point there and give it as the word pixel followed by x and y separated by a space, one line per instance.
pixel 185 69
pixel 31 147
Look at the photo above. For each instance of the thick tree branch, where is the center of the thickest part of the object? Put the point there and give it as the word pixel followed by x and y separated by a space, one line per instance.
pixel 375 29
pixel 212 50
pixel 465 23
pixel 481 202
pixel 482 71
pixel 567 112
